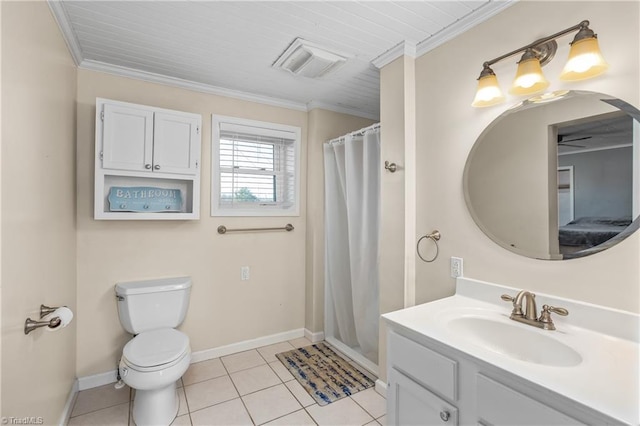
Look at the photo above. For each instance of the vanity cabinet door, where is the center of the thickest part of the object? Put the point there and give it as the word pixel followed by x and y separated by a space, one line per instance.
pixel 501 405
pixel 411 404
pixel 127 142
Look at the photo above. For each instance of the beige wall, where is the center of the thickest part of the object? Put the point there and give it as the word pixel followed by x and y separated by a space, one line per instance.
pixel 38 210
pixel 223 309
pixel 397 215
pixel 323 126
pixel 448 127
pixel 0 206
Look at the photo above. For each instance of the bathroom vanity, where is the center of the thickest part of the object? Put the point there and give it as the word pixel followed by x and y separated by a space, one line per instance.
pixel 462 360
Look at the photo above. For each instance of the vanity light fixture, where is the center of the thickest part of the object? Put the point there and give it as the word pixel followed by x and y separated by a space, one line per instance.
pixel 585 61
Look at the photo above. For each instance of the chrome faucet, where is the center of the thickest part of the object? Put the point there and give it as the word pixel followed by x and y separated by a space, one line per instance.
pixel 530 316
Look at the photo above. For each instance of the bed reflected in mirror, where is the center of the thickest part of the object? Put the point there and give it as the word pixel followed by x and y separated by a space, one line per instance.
pixel 595 180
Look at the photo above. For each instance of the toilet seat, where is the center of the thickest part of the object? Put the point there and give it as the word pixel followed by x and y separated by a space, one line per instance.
pixel 156 349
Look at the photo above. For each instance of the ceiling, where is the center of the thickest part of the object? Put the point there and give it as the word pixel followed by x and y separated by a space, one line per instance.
pixel 228 47
pixel 613 130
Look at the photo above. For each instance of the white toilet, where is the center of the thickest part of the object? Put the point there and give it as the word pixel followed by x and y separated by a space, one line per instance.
pixel 159 354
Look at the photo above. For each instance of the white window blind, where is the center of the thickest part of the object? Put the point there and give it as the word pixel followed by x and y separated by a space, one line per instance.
pixel 257 169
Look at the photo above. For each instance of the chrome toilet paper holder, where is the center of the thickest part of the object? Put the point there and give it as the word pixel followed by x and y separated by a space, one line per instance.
pixel 30 325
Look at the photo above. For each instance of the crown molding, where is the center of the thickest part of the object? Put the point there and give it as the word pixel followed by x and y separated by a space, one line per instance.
pixel 69 36
pixel 342 110
pixel 120 71
pixel 465 24
pixel 404 48
pixel 91 65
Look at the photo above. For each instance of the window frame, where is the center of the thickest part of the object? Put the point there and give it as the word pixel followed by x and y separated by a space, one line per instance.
pixel 257 210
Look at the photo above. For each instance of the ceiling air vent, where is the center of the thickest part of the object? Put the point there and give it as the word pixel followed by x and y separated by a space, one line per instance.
pixel 309 59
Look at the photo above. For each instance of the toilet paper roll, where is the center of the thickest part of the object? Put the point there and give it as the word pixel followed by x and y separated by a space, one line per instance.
pixel 65 314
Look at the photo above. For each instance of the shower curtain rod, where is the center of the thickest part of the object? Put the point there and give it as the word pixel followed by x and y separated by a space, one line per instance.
pixel 356 133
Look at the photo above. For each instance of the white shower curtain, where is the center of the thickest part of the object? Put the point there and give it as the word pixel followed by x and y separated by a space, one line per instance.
pixel 352 217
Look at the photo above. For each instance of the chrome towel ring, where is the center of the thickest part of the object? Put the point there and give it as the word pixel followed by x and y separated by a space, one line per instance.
pixel 433 236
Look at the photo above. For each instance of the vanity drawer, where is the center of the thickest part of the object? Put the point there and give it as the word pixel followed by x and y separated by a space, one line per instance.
pixel 501 405
pixel 430 368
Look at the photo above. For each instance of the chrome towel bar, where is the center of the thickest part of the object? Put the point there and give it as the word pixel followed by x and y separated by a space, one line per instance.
pixel 223 229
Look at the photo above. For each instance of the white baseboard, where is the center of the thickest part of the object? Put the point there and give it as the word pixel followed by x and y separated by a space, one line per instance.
pixel 314 337
pixel 246 345
pixel 71 399
pixel 108 377
pixel 381 388
pixel 100 379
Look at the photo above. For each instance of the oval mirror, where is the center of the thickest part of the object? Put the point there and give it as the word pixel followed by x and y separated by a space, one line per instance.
pixel 557 176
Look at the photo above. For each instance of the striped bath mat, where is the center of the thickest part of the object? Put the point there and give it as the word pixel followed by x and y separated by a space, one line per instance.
pixel 323 373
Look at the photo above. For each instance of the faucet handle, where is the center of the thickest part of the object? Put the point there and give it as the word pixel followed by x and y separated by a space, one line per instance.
pixel 545 316
pixel 517 308
pixel 507 298
pixel 559 311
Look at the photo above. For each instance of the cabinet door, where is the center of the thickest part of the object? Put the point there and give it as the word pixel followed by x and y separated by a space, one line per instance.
pixel 411 404
pixel 176 146
pixel 127 142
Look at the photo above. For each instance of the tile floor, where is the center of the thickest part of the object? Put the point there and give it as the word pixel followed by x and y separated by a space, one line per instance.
pixel 247 388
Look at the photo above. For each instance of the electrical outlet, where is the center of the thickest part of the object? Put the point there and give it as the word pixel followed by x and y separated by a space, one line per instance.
pixel 456 267
pixel 244 273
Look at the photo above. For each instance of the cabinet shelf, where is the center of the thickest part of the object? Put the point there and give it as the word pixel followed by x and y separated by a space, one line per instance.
pixel 187 188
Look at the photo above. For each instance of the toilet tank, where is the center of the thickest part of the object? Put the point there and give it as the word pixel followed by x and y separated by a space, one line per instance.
pixel 151 304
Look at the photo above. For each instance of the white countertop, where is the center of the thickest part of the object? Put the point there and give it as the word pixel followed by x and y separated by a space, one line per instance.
pixel 607 379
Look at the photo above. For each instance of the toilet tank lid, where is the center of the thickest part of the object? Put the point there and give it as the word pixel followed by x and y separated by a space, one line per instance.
pixel 153 286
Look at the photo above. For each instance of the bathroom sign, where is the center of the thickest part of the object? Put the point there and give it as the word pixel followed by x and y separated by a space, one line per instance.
pixel 144 199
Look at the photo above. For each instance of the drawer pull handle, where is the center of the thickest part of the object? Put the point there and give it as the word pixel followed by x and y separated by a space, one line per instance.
pixel 444 415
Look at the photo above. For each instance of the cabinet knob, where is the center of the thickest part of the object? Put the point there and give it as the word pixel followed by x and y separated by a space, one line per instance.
pixel 444 415
pixel 147 166
pixel 156 167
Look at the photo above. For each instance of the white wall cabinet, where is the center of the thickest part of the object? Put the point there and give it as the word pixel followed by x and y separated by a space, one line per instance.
pixel 147 162
pixel 140 139
pixel 432 384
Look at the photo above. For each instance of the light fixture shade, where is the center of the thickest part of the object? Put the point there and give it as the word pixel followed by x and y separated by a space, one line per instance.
pixel 585 60
pixel 529 78
pixel 488 92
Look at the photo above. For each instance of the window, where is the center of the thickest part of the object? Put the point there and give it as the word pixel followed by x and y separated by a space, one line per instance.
pixel 255 168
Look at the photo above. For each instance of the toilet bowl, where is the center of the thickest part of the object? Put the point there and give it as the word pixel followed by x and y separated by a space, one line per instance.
pixel 151 364
pixel 159 354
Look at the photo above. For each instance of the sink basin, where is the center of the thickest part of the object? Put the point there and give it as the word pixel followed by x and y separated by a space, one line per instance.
pixel 515 340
